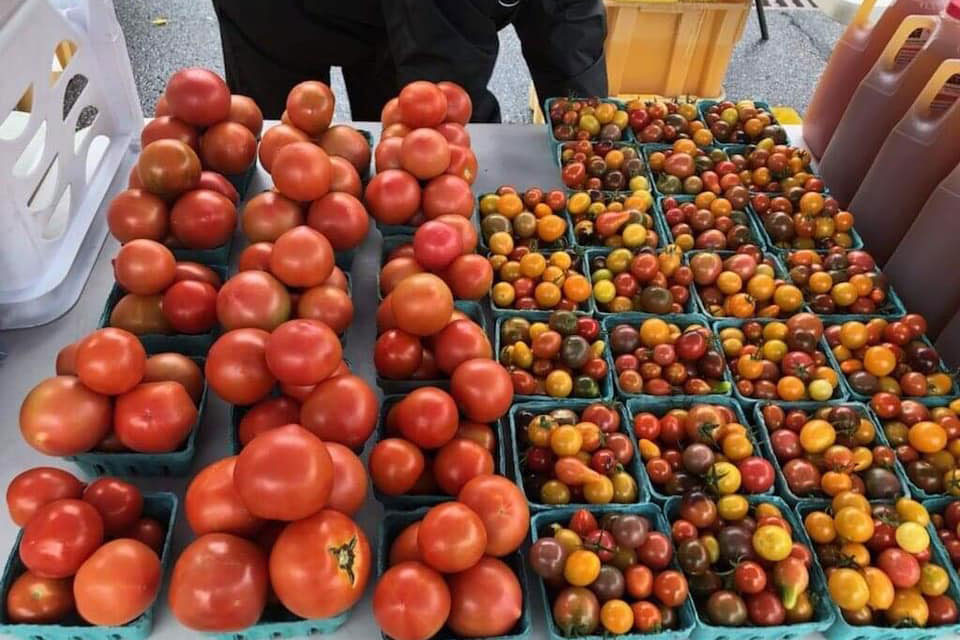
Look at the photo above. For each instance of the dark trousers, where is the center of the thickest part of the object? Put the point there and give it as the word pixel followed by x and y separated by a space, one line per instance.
pixel 383 44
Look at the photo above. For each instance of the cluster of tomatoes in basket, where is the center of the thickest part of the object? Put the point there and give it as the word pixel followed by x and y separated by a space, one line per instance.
pixel 709 221
pixel 657 121
pixel 529 281
pixel 744 122
pixel 698 447
pixel 588 119
pixel 613 220
pixel 85 550
pixel 612 575
pixel 743 285
pixel 646 280
pixel 571 455
pixel 803 219
pixel 842 281
pixel 531 219
pixel 683 168
pixel 602 166
pixel 880 568
pixel 443 247
pixel 946 526
pixel 779 169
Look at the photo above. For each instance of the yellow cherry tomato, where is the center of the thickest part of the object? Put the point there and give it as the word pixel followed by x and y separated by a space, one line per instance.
pixel 857 553
pixel 912 537
pixel 727 477
pixel 616 616
pixel 934 580
pixel 566 440
pixel 909 608
pixel 582 568
pixel 817 436
pixel 853 524
pixel 849 589
pixel 732 507
pixel 820 527
pixel 772 542
pixel 600 491
pixel 850 499
pixel 912 511
pixel 880 588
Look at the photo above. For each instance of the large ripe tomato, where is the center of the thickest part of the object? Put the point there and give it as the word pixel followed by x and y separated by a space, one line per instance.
pixel 452 537
pixel 422 304
pixel 268 215
pixel 411 602
pixel 62 417
pixel 468 233
pixel 198 96
pixel 302 257
pixel 117 583
pixel 284 474
pixel 167 168
pixel 190 306
pixel 404 546
pixel 319 566
pixel 458 462
pixel 276 137
pixel 119 503
pixel 66 364
pixel 199 272
pixel 33 488
pixel 35 600
pixel 425 153
pixel 310 107
pixel 396 270
pixel 447 194
pixel 253 299
pixel 111 361
pixel 341 218
pixel 175 367
pixel 144 267
pixel 428 417
pixel 328 304
pixel 390 113
pixel 459 105
pixel 502 507
pixel 387 154
pixel 395 466
pixel 469 276
pixel 236 366
pixel 216 182
pixel 203 219
pixel 219 584
pixel 397 354
pixel 301 171
pixel 345 141
pixel 436 245
pixel 265 415
pixel 244 110
pixel 393 196
pixel 459 341
pixel 169 127
pixel 302 352
pixel 486 600
pixel 60 537
pixel 344 177
pixel 212 503
pixel 228 148
pixel 137 213
pixel 422 104
pixel 455 133
pixel 482 388
pixel 350 487
pixel 463 163
pixel 255 257
pixel 341 409
pixel 155 417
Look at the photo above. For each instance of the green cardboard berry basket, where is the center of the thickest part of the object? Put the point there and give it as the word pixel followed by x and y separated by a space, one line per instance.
pixel 756 234
pixel 553 142
pixel 558 154
pixel 277 622
pixel 161 506
pixel 841 630
pixel 587 307
pixel 857 239
pixel 688 308
pixel 823 613
pixel 392 525
pixel 545 406
pixel 660 405
pixel 607 197
pixel 686 616
pixel 783 489
pixel 779 272
pixel 703 105
pixel 648 149
pixel 565 241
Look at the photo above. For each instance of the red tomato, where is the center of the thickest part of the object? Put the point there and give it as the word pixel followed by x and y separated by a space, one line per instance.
pixel 319 566
pixel 395 466
pixel 395 270
pixel 111 361
pixel 411 602
pixel 425 153
pixel 463 163
pixel 452 537
pixel 35 600
pixel 119 503
pixel 393 196
pixel 390 113
pixel 341 409
pixel 219 584
pixel 167 168
pixel 470 276
pixel 62 417
pixel 60 537
pixel 670 587
pixel 301 171
pixel 198 96
pixel 468 234
pixel 422 304
pixel 302 352
pixel 482 388
pixel 228 148
pixel 486 600
pixel 117 583
pixel 215 182
pixel 255 257
pixel 458 462
pixel 213 505
pixel 168 127
pixel 190 306
pixel 274 139
pixel 436 245
pixel 156 417
pixel 404 547
pixel 387 154
pixel 448 195
pixel 757 474
pixel 137 213
pixel 197 272
pixel 236 366
pixel 148 531
pixel 284 474
pixel 268 215
pixel 244 110
pixel 344 177
pixel 397 354
pixel 350 487
pixel 345 141
pixel 428 417
pixel 302 257
pixel 459 105
pixel 422 104
pixel 253 299
pixel 33 488
pixel 502 507
pixel 144 267
pixel 459 341
pixel 327 304
pixel 203 219
pixel 455 133
pixel 310 107
pixel 265 415
pixel 341 218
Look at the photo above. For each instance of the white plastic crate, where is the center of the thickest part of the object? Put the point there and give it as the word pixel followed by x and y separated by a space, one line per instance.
pixel 54 176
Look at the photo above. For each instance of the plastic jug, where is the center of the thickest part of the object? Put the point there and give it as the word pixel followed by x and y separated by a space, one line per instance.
pixel 914 52
pixel 948 344
pixel 853 56
pixel 920 151
pixel 927 257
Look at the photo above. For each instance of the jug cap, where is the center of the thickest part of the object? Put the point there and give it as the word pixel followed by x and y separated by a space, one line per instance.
pixel 953 9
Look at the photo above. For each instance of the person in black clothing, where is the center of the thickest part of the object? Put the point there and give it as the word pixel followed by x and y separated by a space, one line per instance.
pixel 381 45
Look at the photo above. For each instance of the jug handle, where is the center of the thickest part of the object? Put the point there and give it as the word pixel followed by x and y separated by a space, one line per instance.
pixel 944 72
pixel 908 26
pixel 862 16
